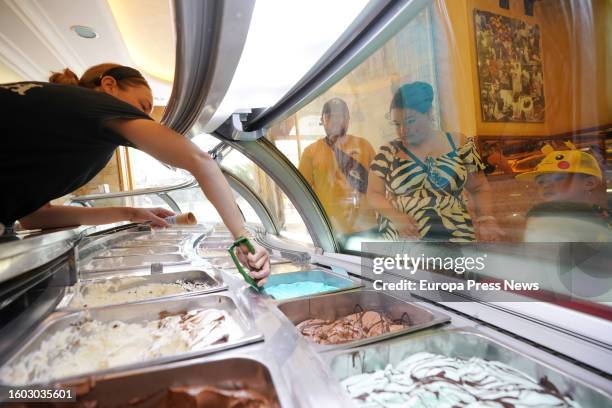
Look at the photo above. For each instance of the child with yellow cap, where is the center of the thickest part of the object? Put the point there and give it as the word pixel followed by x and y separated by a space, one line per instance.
pixel 570 183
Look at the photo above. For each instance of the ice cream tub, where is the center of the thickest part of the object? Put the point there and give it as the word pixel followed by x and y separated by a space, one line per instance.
pixel 163 235
pixel 220 236
pixel 71 346
pixel 463 344
pixel 214 253
pixel 321 281
pixel 132 243
pixel 136 289
pixel 217 244
pixel 121 263
pixel 170 385
pixel 143 250
pixel 338 305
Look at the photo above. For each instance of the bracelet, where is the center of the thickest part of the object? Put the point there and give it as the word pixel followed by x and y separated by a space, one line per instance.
pixel 485 218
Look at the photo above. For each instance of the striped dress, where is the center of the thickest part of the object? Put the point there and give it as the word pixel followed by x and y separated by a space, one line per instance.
pixel 431 192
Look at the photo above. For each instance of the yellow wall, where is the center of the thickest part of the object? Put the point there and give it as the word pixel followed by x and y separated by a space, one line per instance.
pixel 576 65
pixel 452 43
pixel 8 75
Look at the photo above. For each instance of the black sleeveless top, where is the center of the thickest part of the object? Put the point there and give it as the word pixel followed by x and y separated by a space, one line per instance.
pixel 54 140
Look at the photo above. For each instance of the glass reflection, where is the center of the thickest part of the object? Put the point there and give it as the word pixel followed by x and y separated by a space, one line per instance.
pixel 336 168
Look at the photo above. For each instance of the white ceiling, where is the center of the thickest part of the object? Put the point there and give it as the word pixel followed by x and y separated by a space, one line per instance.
pixel 36 39
pixel 286 38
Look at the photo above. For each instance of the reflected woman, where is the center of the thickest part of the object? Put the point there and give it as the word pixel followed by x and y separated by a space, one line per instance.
pixel 417 180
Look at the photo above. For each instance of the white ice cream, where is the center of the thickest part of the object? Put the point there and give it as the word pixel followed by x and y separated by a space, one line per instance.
pixel 123 290
pixel 431 380
pixel 92 345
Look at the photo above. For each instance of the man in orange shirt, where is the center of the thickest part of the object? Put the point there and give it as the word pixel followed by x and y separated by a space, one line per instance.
pixel 336 167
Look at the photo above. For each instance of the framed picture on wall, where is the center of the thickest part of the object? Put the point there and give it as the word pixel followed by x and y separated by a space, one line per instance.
pixel 509 66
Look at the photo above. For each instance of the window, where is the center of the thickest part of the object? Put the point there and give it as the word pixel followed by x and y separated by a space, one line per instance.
pixel 148 172
pixel 289 221
pixel 193 200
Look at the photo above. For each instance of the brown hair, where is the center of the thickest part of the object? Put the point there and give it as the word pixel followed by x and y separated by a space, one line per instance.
pixel 92 75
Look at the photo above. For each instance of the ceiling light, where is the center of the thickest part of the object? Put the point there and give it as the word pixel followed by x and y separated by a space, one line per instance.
pixel 84 31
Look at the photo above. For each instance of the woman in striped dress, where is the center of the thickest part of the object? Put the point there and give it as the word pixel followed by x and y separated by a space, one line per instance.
pixel 417 181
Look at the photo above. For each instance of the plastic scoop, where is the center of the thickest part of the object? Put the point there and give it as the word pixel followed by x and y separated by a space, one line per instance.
pixel 239 241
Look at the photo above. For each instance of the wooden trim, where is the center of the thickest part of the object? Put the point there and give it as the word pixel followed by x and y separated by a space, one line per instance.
pixel 125 169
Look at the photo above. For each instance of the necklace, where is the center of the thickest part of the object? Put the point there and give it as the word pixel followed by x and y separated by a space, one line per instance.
pixel 429 167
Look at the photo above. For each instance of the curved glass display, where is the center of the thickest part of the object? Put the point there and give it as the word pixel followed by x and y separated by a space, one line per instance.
pixel 288 219
pixel 476 132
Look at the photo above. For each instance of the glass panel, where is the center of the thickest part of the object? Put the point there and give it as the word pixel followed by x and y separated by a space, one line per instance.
pixel 149 172
pixel 472 124
pixel 205 141
pixel 290 222
pixel 193 200
pixel 143 201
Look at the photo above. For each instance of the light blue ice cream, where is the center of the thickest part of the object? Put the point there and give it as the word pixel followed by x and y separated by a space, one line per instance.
pixel 297 289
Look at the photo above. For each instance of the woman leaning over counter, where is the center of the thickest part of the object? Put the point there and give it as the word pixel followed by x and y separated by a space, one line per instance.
pixel 57 136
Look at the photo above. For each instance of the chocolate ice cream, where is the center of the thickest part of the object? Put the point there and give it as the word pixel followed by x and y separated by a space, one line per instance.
pixel 355 326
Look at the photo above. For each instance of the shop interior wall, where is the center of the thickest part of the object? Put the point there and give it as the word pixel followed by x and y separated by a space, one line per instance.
pixel 576 65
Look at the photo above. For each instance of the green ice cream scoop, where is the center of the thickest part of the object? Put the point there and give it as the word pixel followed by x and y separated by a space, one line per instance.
pixel 239 241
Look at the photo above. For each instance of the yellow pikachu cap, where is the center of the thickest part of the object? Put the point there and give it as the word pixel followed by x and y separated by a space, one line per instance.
pixel 564 161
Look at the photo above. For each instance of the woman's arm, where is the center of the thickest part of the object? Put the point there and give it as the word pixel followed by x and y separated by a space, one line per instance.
pixel 176 150
pixel 479 188
pixel 58 216
pixel 377 200
pixel 170 147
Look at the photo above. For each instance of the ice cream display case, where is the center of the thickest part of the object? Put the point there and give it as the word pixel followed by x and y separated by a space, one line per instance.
pixel 126 315
pixel 336 349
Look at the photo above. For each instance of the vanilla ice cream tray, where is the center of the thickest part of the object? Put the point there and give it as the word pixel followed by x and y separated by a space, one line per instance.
pixel 124 263
pixel 107 292
pixel 239 327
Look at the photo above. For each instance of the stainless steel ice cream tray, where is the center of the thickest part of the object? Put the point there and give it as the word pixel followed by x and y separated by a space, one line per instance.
pixel 140 313
pixel 148 386
pixel 215 244
pixel 121 283
pixel 342 283
pixel 131 243
pixel 122 263
pixel 144 250
pixel 338 305
pixel 458 343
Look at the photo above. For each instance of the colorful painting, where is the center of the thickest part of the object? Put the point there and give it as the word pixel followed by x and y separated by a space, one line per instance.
pixel 509 69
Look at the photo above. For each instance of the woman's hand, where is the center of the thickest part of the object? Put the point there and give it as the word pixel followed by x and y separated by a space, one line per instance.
pixel 153 215
pixel 489 231
pixel 406 226
pixel 258 263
